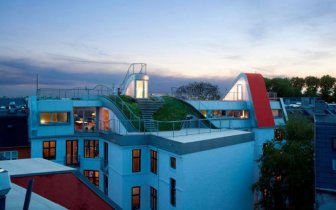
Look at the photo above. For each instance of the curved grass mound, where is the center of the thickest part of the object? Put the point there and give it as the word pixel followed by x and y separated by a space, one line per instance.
pixel 175 110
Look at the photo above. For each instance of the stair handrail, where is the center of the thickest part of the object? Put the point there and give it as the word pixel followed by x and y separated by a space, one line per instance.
pixel 124 104
pixel 130 71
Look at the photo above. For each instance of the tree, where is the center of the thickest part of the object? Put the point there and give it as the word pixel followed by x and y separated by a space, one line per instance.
pixel 199 91
pixel 287 169
pixel 326 84
pixel 282 86
pixel 298 84
pixel 312 84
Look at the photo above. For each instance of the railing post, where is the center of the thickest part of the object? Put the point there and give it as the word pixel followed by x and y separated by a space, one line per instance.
pixel 199 126
pixel 173 129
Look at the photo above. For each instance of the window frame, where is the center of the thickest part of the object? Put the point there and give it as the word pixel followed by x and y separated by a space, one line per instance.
pixel 136 158
pixel 153 161
pixel 52 123
pixel 136 196
pixel 88 148
pixel 333 143
pixel 93 179
pixel 172 161
pixel 173 192
pixel 153 198
pixel 49 148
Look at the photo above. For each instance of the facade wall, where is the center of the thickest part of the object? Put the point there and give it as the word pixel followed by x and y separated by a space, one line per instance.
pixel 218 178
pixel 325 154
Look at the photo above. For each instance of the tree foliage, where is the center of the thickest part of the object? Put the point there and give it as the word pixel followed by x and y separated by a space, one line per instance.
pixel 326 84
pixel 199 91
pixel 324 87
pixel 312 84
pixel 287 169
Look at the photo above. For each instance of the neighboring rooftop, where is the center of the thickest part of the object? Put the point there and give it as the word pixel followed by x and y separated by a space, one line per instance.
pixel 32 166
pixel 60 184
pixel 16 196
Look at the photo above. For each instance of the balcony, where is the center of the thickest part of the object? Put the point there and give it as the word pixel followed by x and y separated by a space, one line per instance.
pixel 72 160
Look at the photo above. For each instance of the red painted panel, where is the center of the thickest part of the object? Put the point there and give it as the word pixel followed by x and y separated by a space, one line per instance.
pixel 65 189
pixel 260 101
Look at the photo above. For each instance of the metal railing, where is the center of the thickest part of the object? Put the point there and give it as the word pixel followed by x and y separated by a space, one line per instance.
pixel 74 93
pixel 129 114
pixel 176 128
pixel 142 67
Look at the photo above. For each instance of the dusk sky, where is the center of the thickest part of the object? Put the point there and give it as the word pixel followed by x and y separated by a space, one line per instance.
pixel 78 42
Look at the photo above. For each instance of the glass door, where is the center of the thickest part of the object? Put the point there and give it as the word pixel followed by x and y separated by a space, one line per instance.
pixel 72 152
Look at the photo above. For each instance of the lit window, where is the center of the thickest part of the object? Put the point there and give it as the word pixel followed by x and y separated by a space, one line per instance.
pixel 153 163
pixel 136 197
pixel 153 198
pixel 54 117
pixel 85 119
pixel 49 150
pixel 173 162
pixel 172 192
pixel 93 176
pixel 278 134
pixel 91 148
pixel 136 160
pixel 239 92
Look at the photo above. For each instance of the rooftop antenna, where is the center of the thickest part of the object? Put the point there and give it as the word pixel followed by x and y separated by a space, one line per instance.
pixel 37 84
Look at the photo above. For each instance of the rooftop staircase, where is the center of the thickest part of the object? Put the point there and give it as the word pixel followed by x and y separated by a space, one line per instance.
pixel 148 107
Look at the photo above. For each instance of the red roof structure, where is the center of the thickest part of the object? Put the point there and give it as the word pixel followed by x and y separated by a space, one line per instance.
pixel 65 189
pixel 260 100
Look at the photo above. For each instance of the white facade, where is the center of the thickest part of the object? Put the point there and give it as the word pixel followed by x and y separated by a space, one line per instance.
pixel 213 171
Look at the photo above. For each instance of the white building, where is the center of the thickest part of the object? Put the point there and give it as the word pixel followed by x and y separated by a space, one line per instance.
pixel 190 168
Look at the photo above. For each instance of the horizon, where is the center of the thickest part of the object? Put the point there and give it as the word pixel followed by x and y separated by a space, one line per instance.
pixel 84 43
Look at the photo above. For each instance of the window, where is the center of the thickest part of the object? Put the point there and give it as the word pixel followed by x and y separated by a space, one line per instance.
pixel 333 141
pixel 334 165
pixel 9 155
pixel 153 163
pixel 106 184
pixel 93 176
pixel 49 150
pixel 173 162
pixel 172 192
pixel 277 113
pixel 265 147
pixel 136 197
pixel 85 119
pixel 278 134
pixel 153 198
pixel 54 117
pixel 239 92
pixel 136 160
pixel 91 148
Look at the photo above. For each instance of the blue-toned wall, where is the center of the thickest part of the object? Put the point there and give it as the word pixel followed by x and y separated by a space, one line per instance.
pixel 325 175
pixel 218 178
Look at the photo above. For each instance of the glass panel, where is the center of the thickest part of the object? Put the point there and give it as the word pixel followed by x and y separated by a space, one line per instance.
pixel 145 89
pixel 139 89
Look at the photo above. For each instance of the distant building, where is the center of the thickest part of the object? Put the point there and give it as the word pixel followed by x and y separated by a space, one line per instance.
pixel 191 167
pixel 14 142
pixel 325 155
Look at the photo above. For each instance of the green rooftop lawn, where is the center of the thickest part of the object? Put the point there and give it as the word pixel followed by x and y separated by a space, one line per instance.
pixel 172 110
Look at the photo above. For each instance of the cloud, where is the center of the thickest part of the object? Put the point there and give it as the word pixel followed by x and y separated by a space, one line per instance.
pixel 19 78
